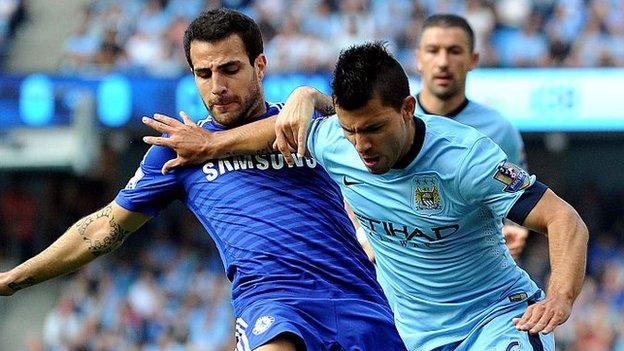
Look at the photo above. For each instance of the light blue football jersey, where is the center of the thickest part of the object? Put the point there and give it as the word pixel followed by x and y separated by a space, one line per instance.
pixel 435 226
pixel 491 123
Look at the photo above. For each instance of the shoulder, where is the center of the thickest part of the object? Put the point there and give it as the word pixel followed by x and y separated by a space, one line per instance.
pixel 490 116
pixel 156 156
pixel 326 137
pixel 328 125
pixel 450 144
pixel 445 130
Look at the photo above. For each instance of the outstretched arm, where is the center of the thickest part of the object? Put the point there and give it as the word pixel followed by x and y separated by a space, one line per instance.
pixel 567 241
pixel 94 235
pixel 194 145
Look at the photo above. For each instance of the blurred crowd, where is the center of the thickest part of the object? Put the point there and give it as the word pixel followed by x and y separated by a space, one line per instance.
pixel 597 319
pixel 11 14
pixel 145 36
pixel 165 288
pixel 166 297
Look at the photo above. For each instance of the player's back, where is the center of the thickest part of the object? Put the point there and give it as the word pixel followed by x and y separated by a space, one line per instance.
pixel 281 231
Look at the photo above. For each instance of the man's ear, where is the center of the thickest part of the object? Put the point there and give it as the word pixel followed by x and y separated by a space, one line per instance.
pixel 417 60
pixel 260 65
pixel 408 107
pixel 474 60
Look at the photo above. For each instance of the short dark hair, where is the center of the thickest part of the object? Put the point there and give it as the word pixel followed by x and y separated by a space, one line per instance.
pixel 446 20
pixel 365 70
pixel 217 24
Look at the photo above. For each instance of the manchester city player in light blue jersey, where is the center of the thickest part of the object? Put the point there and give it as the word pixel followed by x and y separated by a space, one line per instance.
pixel 445 55
pixel 431 194
pixel 300 281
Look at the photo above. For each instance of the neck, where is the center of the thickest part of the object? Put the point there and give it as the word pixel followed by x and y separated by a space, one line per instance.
pixel 260 109
pixel 437 106
pixel 411 148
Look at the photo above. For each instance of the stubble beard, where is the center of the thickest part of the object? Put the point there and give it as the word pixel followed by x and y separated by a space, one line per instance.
pixel 248 106
pixel 445 94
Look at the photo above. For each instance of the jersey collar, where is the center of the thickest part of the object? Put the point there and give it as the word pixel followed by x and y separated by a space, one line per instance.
pixel 419 139
pixel 451 114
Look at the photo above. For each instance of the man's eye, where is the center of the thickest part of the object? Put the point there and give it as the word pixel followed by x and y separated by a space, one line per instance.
pixel 372 129
pixel 203 74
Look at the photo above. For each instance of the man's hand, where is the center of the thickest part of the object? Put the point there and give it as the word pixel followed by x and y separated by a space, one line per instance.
pixel 567 248
pixel 515 239
pixel 544 316
pixel 293 122
pixel 189 141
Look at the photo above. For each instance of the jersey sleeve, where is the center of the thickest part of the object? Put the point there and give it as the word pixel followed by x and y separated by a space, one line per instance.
pixel 515 147
pixel 486 177
pixel 320 136
pixel 149 191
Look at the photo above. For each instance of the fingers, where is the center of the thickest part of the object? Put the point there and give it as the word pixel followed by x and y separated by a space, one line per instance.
pixel 542 322
pixel 302 134
pixel 171 164
pixel 514 248
pixel 160 141
pixel 156 125
pixel 521 322
pixel 187 120
pixel 282 146
pixel 166 120
pixel 515 239
pixel 290 137
pixel 558 318
pixel 541 317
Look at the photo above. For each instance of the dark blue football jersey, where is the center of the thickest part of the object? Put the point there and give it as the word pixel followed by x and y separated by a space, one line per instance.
pixel 281 231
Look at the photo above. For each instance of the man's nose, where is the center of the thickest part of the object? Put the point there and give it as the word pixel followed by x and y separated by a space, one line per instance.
pixel 362 143
pixel 218 85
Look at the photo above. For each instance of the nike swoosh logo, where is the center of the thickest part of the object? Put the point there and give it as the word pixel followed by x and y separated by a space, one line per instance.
pixel 349 183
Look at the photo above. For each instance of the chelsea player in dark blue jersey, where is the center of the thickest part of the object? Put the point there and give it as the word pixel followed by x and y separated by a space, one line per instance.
pixel 300 281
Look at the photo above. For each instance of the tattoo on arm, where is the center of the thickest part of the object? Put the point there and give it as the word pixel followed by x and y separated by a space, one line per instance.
pixel 268 149
pixel 116 234
pixel 24 284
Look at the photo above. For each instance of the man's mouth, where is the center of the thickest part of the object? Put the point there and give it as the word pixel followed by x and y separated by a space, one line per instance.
pixel 221 105
pixel 370 161
pixel 443 79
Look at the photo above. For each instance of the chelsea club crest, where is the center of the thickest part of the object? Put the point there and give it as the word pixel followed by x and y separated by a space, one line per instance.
pixel 427 194
pixel 262 324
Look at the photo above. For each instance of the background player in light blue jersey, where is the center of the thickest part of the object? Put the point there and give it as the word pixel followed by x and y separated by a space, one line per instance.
pixel 432 194
pixel 445 55
pixel 299 278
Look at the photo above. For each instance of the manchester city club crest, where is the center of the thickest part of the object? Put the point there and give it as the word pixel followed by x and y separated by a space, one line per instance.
pixel 427 194
pixel 262 324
